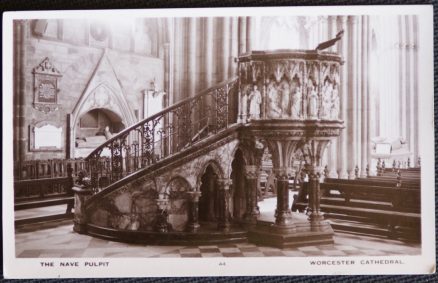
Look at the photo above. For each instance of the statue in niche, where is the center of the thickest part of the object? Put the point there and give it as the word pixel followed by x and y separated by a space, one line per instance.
pixel 326 103
pixel 334 113
pixel 285 93
pixel 296 103
pixel 244 101
pixel 255 100
pixel 274 111
pixel 312 103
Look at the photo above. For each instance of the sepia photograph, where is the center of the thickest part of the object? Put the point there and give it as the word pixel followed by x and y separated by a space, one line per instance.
pixel 211 142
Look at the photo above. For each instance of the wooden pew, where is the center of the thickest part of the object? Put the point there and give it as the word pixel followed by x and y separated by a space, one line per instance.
pixel 383 206
pixel 43 192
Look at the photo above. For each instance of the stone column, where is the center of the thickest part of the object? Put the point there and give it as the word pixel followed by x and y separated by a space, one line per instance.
pixel 252 178
pixel 242 35
pixel 283 214
pixel 249 34
pixel 313 150
pixel 225 50
pixel 223 199
pixel 82 194
pixel 193 219
pixel 343 140
pixel 364 111
pixel 351 118
pixel 314 193
pixel 192 54
pixel 234 48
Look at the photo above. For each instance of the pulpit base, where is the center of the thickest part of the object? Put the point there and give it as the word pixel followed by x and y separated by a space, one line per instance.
pixel 300 233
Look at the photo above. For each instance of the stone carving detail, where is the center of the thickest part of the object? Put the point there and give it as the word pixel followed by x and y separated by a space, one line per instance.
pixel 255 100
pixel 46 77
pixel 312 103
pixel 274 110
pixel 326 100
pixel 299 87
pixel 296 103
pixel 334 113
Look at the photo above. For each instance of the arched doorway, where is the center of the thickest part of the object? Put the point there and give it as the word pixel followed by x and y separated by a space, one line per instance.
pixel 239 186
pixel 95 127
pixel 209 200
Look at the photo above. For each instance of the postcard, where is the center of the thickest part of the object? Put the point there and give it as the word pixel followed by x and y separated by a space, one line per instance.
pixel 218 142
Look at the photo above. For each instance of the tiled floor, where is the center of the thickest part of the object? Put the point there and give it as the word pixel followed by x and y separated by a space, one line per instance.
pixel 57 239
pixel 40 211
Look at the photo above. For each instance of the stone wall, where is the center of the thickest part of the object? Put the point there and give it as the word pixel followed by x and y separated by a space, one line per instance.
pixel 71 48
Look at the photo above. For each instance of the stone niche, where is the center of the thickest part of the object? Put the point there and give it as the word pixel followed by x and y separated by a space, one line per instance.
pixel 178 204
pixel 46 136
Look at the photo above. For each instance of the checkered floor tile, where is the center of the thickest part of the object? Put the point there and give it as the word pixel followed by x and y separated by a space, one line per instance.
pixel 57 239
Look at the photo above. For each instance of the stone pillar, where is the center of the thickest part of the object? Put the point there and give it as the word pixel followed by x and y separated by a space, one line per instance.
pixel 351 118
pixel 314 193
pixel 313 150
pixel 343 140
pixel 242 35
pixel 193 219
pixel 209 33
pixel 364 111
pixel 192 53
pixel 249 33
pixel 283 215
pixel 234 48
pixel 223 203
pixel 225 50
pixel 82 194
pixel 252 178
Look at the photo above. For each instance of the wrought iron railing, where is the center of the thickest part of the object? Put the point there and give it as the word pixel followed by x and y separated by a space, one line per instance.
pixel 168 132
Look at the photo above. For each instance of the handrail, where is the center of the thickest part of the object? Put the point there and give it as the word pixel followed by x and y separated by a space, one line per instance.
pixel 163 134
pixel 165 110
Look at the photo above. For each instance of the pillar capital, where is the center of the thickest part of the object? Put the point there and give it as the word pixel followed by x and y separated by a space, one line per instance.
pixel 225 183
pixel 283 172
pixel 252 171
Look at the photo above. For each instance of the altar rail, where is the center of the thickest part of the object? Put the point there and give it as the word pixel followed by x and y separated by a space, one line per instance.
pixel 168 132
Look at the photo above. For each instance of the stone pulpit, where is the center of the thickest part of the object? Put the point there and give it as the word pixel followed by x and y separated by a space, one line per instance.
pixel 289 101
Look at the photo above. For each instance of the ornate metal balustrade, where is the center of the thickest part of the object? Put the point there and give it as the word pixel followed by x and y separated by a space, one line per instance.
pixel 170 131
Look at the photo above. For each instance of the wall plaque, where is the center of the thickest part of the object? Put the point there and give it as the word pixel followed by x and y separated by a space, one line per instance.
pixel 46 86
pixel 45 136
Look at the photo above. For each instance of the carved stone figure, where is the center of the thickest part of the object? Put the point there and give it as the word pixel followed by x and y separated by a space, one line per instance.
pixel 296 103
pixel 334 113
pixel 326 103
pixel 285 94
pixel 255 99
pixel 312 104
pixel 274 111
pixel 244 105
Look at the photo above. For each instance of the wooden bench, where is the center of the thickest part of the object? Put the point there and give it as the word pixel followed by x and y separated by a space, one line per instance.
pixel 369 207
pixel 37 193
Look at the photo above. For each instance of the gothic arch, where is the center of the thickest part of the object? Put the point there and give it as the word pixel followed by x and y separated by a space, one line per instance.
pixel 217 169
pixel 102 92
